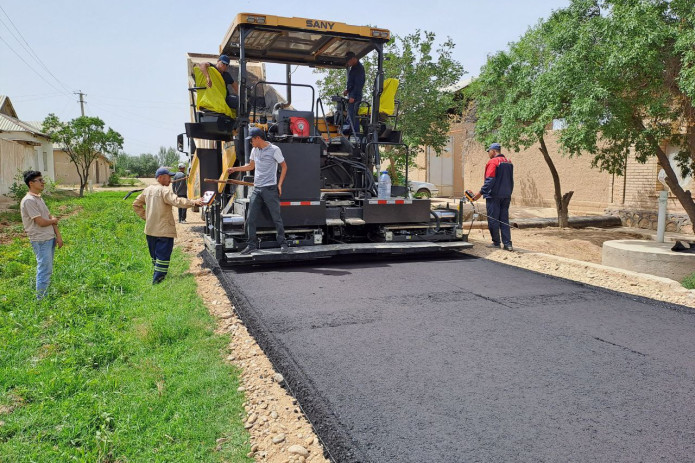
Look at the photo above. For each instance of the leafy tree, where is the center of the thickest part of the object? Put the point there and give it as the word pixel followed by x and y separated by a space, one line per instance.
pixel 83 139
pixel 633 68
pixel 143 165
pixel 522 90
pixel 424 71
pixel 168 157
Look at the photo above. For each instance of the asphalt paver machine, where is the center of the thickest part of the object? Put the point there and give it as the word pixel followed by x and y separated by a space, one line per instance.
pixel 329 202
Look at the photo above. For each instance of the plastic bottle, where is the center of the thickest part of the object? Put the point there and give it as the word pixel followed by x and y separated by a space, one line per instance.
pixel 384 187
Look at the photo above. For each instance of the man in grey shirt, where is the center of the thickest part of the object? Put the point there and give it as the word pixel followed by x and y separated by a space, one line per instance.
pixel 267 190
pixel 42 229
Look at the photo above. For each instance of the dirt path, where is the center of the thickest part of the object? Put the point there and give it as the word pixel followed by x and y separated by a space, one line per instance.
pixel 279 430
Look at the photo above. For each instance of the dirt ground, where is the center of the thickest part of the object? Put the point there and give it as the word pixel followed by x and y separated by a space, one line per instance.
pixel 281 433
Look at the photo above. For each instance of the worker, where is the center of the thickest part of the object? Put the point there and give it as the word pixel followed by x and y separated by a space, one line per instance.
pixel 154 207
pixel 264 161
pixel 180 188
pixel 221 67
pixel 497 191
pixel 355 84
pixel 41 228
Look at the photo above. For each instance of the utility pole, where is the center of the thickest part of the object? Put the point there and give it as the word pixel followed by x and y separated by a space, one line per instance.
pixel 81 100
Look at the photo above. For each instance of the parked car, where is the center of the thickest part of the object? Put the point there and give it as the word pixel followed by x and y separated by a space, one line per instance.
pixel 423 189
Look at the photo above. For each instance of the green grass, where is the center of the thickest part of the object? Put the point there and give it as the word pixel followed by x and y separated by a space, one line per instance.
pixel 108 368
pixel 689 281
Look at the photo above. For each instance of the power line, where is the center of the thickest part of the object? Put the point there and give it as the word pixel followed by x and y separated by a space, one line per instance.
pixel 30 67
pixel 29 49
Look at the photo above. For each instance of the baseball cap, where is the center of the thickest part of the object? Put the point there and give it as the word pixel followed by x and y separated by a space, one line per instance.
pixel 163 171
pixel 181 164
pixel 255 132
pixel 224 59
pixel 495 146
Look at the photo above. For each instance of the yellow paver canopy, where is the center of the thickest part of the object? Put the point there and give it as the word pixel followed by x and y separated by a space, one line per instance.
pixel 304 41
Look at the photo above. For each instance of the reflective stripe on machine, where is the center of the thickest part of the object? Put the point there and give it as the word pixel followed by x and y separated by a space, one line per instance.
pixel 300 203
pixel 390 201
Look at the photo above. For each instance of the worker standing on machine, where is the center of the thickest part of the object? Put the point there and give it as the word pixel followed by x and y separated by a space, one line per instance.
pixel 355 85
pixel 154 207
pixel 497 191
pixel 264 160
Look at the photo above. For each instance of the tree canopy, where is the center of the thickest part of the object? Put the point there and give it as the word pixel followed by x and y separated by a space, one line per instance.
pixel 425 71
pixel 83 139
pixel 620 73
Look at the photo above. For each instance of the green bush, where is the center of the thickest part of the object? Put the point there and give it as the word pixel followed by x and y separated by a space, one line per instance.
pixel 18 189
pixel 114 179
pixel 689 281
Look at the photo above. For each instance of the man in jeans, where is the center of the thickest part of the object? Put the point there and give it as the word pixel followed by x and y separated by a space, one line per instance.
pixel 42 229
pixel 265 158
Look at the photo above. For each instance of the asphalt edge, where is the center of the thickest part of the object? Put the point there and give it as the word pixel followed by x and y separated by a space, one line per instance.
pixel 339 447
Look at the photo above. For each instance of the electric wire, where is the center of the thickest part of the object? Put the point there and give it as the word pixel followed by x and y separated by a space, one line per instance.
pixel 28 48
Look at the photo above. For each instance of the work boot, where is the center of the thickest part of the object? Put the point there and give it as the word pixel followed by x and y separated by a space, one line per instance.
pixel 248 250
pixel 508 247
pixel 493 245
pixel 284 248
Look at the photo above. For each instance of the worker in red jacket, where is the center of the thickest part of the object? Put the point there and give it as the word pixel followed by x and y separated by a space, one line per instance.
pixel 497 191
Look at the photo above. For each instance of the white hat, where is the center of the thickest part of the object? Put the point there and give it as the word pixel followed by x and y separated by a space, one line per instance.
pixel 181 164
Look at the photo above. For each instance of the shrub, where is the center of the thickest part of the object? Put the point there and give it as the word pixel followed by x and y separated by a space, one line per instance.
pixel 689 281
pixel 114 179
pixel 18 189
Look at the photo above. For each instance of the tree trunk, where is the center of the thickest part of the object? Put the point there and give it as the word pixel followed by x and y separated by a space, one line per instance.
pixel 561 201
pixel 683 196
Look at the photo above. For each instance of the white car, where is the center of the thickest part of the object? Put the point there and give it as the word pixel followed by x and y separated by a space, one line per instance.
pixel 423 189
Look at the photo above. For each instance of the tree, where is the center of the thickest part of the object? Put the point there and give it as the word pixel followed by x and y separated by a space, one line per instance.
pixel 83 139
pixel 424 72
pixel 168 157
pixel 635 89
pixel 521 91
pixel 143 165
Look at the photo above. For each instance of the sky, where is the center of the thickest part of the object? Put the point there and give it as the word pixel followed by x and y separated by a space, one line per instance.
pixel 129 57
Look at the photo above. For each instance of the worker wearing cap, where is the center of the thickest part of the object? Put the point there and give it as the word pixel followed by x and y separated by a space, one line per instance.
pixel 355 84
pixel 154 207
pixel 221 67
pixel 497 191
pixel 267 189
pixel 179 187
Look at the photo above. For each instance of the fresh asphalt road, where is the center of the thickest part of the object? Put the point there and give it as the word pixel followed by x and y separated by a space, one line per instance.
pixel 467 360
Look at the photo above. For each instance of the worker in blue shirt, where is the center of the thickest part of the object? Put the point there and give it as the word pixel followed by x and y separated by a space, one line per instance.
pixel 355 84
pixel 497 191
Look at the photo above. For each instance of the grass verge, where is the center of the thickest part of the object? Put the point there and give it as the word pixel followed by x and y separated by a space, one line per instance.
pixel 108 368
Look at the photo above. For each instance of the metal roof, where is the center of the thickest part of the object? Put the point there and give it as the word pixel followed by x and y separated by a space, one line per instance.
pixel 12 124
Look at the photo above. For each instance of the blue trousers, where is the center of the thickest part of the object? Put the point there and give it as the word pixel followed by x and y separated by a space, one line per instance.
pixel 498 219
pixel 44 252
pixel 270 196
pixel 160 252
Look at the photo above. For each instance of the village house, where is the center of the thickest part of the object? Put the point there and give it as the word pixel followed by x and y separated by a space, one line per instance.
pixel 22 146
